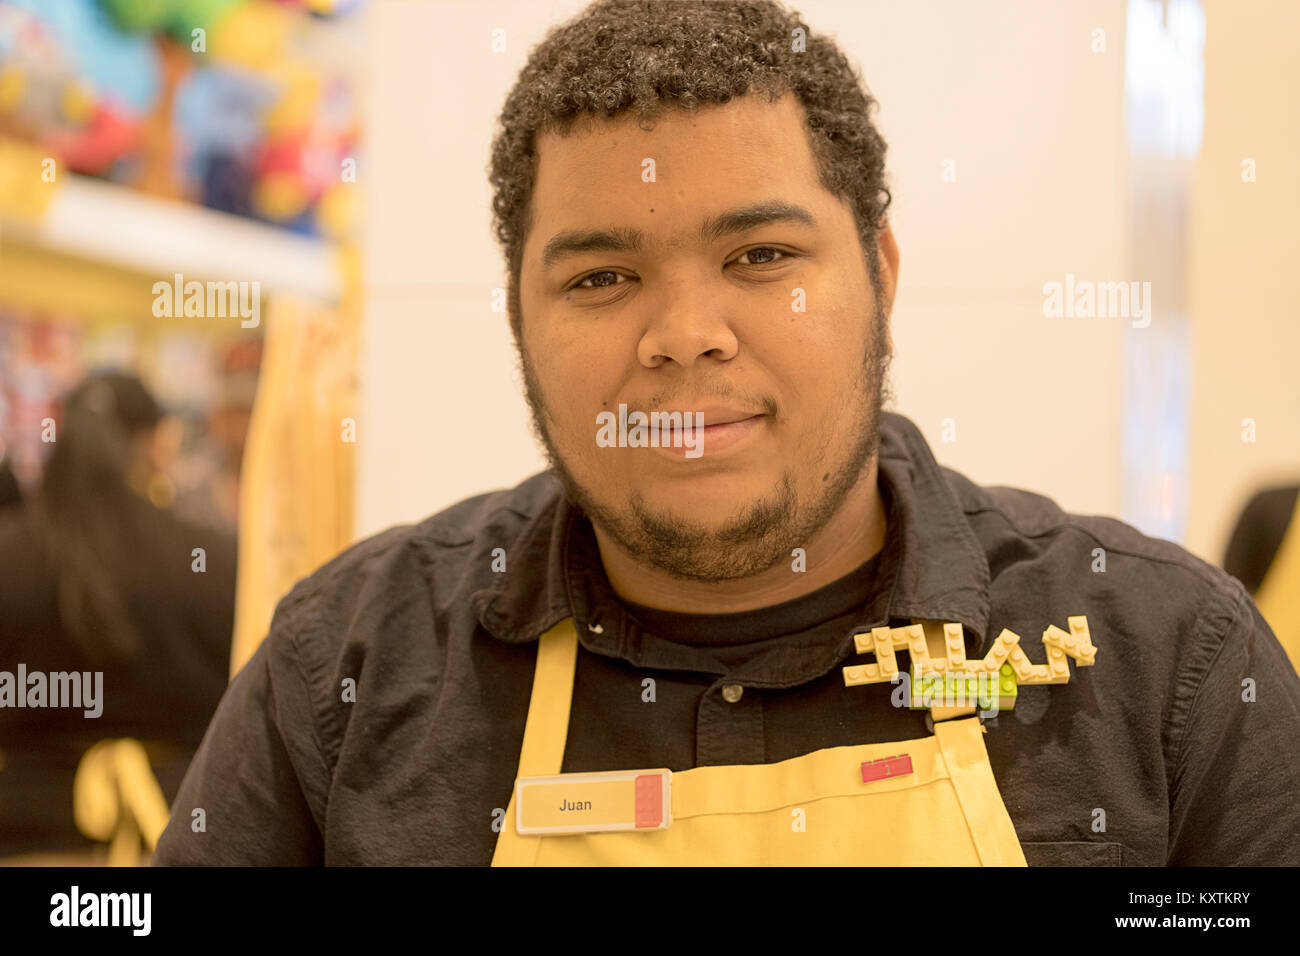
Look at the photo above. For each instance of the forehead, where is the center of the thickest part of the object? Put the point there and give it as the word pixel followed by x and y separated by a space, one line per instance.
pixel 717 156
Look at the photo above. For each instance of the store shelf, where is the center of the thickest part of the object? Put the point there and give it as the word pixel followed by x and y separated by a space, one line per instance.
pixel 158 237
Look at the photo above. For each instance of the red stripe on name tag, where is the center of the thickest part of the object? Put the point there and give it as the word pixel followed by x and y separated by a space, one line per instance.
pixel 649 800
pixel 897 766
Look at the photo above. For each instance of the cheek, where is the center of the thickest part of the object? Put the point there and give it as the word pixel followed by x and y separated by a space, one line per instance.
pixel 837 339
pixel 819 374
pixel 580 377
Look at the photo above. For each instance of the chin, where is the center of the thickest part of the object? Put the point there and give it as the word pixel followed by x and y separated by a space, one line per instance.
pixel 703 510
pixel 704 493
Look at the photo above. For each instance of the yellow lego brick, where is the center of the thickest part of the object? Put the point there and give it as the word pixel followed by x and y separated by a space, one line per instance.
pixel 1020 663
pixel 1053 636
pixel 859 674
pixel 1039 674
pixel 909 631
pixel 885 651
pixel 914 636
pixel 1057 667
pixel 1056 639
pixel 1086 653
pixel 1002 646
pixel 1076 644
pixel 956 646
pixel 864 642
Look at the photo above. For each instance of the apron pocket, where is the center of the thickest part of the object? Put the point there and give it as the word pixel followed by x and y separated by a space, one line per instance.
pixel 1073 854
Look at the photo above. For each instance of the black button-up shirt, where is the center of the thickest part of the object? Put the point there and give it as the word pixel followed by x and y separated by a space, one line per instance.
pixel 1179 745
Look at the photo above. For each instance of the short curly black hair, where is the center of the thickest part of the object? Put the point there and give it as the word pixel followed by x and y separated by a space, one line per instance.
pixel 638 55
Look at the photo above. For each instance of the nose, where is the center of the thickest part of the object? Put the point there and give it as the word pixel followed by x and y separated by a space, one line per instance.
pixel 690 326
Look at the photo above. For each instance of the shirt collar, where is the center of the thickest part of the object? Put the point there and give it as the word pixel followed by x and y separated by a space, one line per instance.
pixel 932 565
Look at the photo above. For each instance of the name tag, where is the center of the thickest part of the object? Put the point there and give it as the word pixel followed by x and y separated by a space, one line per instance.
pixel 593 802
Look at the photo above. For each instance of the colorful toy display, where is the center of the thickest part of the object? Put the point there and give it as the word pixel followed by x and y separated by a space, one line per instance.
pixel 250 100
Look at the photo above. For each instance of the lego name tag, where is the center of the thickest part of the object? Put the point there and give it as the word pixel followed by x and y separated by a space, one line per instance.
pixel 593 802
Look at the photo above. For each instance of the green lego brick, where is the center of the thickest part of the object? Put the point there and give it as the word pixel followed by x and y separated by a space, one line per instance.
pixel 1007 683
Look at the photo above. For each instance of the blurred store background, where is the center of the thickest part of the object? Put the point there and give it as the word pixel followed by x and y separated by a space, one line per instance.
pixel 189 144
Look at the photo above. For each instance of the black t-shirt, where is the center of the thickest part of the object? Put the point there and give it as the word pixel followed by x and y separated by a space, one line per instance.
pixel 1178 746
pixel 836 605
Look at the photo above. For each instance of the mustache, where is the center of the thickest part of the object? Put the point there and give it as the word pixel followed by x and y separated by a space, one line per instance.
pixel 737 398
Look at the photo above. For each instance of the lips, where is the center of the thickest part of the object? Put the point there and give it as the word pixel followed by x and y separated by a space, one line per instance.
pixel 723 428
pixel 721 414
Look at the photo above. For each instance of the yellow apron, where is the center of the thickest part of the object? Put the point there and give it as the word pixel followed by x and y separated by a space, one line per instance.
pixel 813 810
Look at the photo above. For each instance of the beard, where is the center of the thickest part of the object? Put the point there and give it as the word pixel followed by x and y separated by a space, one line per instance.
pixel 767 529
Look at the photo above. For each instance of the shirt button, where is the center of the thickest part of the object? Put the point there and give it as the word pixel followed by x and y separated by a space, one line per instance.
pixel 731 692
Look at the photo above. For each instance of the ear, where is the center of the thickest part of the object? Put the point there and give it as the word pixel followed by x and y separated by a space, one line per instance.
pixel 888 249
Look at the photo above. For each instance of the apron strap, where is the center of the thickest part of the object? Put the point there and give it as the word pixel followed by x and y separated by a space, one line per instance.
pixel 547 727
pixel 967 759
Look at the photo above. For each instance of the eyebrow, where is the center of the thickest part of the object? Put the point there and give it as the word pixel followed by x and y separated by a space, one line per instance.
pixel 576 241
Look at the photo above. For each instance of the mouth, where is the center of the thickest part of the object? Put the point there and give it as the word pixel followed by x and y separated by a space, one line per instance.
pixel 723 434
pixel 713 415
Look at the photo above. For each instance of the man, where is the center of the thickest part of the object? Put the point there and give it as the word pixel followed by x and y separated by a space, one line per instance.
pixel 692 207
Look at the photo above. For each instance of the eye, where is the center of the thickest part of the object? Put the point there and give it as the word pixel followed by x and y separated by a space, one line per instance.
pixel 765 254
pixel 606 277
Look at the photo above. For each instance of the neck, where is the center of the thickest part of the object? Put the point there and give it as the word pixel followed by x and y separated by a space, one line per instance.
pixel 852 537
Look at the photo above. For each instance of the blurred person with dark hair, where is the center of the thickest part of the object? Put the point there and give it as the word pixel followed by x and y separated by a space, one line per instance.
pixel 1263 553
pixel 1257 536
pixel 96 575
